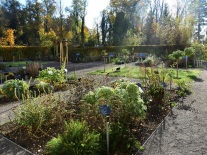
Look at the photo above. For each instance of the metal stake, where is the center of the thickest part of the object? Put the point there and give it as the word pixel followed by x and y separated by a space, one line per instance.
pixel 107 133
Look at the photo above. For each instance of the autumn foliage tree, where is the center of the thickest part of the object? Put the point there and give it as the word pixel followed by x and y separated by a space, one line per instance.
pixel 9 37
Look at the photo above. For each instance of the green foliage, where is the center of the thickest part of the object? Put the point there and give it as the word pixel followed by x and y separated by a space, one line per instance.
pixel 47 38
pixel 52 75
pixel 150 60
pixel 32 68
pixel 176 55
pixel 189 51
pixel 40 114
pixel 15 89
pixel 118 61
pixel 77 139
pixel 90 97
pixel 183 88
pixel 199 50
pixel 43 87
pixel 104 93
pixel 127 108
pixel 125 53
pixel 26 52
pixel 155 93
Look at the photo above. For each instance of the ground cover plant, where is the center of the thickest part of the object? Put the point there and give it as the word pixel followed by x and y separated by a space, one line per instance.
pixel 45 122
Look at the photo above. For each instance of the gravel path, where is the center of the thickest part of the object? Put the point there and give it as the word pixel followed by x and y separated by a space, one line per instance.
pixel 185 132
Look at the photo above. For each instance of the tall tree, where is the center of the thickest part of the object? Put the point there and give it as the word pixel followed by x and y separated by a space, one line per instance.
pixel 34 19
pixel 78 12
pixel 120 28
pixel 49 10
pixel 104 26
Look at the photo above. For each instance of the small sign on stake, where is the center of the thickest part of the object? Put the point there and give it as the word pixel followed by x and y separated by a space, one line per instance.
pixel 105 110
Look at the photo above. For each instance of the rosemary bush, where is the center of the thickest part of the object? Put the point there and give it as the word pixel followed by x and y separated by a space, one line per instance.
pixel 38 115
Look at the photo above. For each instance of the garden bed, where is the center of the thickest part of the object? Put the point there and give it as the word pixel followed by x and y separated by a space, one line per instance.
pixel 36 141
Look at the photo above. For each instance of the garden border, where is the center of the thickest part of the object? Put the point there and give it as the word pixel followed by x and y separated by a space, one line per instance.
pixel 10 147
pixel 160 128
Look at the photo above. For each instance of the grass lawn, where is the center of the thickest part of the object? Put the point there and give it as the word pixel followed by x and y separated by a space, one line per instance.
pixel 20 63
pixel 139 73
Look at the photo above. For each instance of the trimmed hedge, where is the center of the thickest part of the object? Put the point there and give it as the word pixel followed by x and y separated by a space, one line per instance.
pixel 87 53
pixel 24 52
pixel 95 52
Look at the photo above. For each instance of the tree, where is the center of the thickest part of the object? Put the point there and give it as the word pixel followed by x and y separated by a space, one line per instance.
pixel 104 27
pixel 9 36
pixel 176 55
pixel 78 12
pixel 120 28
pixel 198 9
pixel 34 21
pixel 49 10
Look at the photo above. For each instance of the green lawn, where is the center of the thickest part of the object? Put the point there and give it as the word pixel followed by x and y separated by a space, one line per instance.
pixel 139 73
pixel 20 63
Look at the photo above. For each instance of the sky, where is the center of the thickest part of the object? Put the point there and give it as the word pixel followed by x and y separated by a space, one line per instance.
pixel 93 9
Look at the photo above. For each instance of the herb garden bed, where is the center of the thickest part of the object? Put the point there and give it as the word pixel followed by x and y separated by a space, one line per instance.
pixel 72 104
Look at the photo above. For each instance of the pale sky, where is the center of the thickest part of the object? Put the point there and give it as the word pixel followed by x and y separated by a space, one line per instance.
pixel 93 9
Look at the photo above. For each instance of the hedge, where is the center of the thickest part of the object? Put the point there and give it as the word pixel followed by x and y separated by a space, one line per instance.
pixel 159 50
pixel 24 52
pixel 88 53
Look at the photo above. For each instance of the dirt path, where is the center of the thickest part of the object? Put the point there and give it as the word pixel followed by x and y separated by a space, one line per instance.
pixel 185 132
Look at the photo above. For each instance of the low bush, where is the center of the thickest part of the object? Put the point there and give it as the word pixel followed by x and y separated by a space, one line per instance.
pixel 15 89
pixel 128 109
pixel 33 69
pixel 52 75
pixel 39 115
pixel 77 139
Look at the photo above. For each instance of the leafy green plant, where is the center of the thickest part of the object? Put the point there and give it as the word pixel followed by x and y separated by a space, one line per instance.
pixel 32 68
pixel 150 60
pixel 44 87
pixel 183 88
pixel 127 108
pixel 15 89
pixel 52 75
pixel 77 139
pixel 118 61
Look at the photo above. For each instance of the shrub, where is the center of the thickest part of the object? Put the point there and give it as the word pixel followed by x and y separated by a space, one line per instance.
pixel 33 68
pixel 52 75
pixel 14 89
pixel 150 60
pixel 40 114
pixel 183 89
pixel 127 110
pixel 77 139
